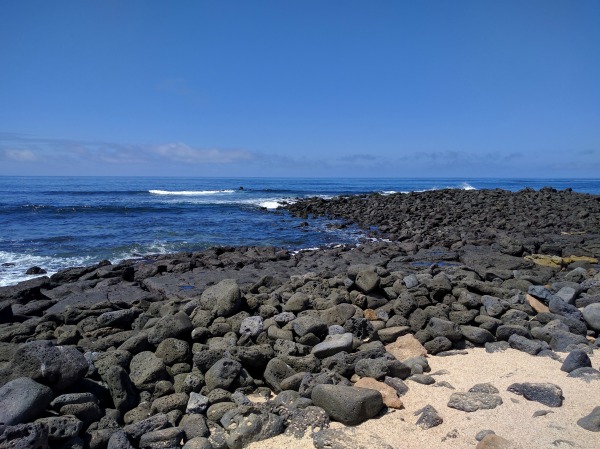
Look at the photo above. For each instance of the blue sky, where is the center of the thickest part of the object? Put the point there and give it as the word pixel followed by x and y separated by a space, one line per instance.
pixel 300 88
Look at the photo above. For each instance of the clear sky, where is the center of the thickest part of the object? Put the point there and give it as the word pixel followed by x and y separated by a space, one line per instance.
pixel 476 88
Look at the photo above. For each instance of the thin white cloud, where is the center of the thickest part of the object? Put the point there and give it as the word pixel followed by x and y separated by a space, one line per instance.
pixel 20 155
pixel 180 152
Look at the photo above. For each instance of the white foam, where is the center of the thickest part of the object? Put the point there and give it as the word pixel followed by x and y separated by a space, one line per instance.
pixel 467 186
pixel 189 192
pixel 270 204
pixel 10 275
pixel 388 192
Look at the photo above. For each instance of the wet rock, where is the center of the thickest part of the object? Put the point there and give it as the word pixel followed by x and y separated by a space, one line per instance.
pixel 347 405
pixel 544 393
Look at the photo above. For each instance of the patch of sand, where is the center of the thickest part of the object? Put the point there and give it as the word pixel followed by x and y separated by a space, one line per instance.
pixel 512 420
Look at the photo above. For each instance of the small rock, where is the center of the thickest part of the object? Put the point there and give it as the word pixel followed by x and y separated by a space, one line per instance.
pixel 471 402
pixel 429 417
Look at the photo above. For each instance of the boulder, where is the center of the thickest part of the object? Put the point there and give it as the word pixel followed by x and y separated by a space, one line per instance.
pixel 58 367
pixel 223 299
pixel 146 369
pixel 591 315
pixel 544 393
pixel 22 400
pixel 348 405
pixel 170 326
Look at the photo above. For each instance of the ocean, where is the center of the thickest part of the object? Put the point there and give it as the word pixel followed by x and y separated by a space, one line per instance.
pixel 60 222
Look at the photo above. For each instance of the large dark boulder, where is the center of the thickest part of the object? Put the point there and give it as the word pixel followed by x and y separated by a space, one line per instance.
pixel 348 405
pixel 22 400
pixel 58 367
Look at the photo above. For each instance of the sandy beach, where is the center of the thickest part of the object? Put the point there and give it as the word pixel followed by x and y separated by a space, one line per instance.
pixel 513 420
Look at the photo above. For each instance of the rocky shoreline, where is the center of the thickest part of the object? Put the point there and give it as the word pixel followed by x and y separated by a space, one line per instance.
pixel 187 350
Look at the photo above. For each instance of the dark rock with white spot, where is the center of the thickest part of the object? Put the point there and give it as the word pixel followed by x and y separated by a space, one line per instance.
pixel 58 367
pixel 544 393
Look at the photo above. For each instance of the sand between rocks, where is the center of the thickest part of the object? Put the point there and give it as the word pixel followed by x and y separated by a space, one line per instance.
pixel 512 420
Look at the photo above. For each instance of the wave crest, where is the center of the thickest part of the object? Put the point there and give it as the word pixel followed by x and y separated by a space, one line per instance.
pixel 189 192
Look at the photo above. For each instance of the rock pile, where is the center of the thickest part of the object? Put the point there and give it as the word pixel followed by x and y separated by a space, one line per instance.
pixel 187 349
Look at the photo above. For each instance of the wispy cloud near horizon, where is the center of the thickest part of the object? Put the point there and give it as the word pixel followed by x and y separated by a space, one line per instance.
pixel 87 155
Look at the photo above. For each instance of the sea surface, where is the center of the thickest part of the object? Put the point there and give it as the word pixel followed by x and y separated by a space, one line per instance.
pixel 60 222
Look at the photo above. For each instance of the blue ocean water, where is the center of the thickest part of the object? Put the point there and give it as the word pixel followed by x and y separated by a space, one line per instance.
pixel 59 222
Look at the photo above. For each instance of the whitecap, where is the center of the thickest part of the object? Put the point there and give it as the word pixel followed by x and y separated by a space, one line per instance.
pixel 189 192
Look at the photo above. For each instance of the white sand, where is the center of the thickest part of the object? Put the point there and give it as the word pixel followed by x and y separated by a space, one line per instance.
pixel 512 420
